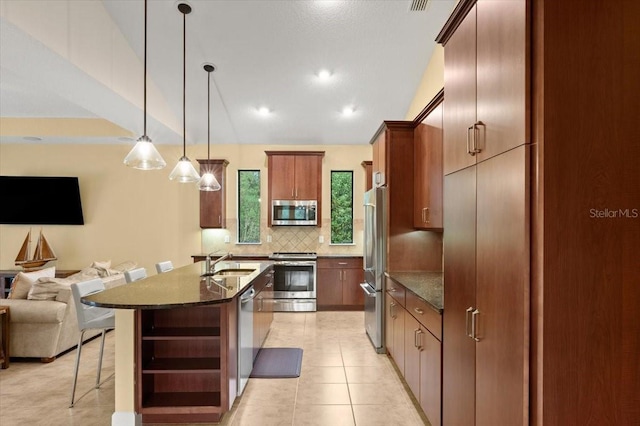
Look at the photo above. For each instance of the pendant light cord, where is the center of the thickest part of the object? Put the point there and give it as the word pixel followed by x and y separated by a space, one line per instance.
pixel 144 121
pixel 184 84
pixel 208 115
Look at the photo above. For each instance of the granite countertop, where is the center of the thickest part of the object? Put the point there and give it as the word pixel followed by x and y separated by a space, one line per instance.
pixel 180 287
pixel 425 285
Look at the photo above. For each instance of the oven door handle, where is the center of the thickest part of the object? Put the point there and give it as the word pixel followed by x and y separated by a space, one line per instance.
pixel 369 291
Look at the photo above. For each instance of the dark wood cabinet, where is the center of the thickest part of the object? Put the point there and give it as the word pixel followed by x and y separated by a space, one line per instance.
pixel 486 200
pixel 394 331
pixel 295 175
pixel 183 364
pixel 262 310
pixel 213 203
pixel 427 201
pixel 368 175
pixel 338 283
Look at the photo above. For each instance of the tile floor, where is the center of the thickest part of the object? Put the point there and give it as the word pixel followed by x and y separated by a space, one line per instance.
pixel 343 382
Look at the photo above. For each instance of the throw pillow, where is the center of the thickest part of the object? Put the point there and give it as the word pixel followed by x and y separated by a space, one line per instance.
pixel 24 280
pixel 48 288
pixel 103 267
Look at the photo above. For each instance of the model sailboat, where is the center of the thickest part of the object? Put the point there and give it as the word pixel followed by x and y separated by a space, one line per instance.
pixel 42 254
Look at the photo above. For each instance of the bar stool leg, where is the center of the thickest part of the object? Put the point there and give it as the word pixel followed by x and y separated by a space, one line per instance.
pixel 75 375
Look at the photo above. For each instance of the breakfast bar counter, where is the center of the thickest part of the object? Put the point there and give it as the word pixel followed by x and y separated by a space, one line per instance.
pixel 180 361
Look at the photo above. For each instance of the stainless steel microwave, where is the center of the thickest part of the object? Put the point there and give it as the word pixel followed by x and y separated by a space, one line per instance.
pixel 294 212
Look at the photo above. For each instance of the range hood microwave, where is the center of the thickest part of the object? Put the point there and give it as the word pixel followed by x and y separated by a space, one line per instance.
pixel 294 212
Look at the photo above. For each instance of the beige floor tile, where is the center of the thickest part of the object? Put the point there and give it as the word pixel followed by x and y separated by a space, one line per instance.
pixel 318 359
pixel 323 415
pixel 322 393
pixel 263 415
pixel 371 375
pixel 374 393
pixel 312 374
pixel 386 415
pixel 366 358
pixel 269 391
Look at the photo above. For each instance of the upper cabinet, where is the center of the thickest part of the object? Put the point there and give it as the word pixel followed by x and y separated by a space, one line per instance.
pixel 295 175
pixel 486 100
pixel 368 175
pixel 213 203
pixel 427 211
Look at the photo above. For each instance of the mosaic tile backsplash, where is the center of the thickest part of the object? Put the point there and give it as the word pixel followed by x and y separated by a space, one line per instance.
pixel 282 238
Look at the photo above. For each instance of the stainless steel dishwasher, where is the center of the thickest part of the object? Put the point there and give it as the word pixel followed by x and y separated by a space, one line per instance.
pixel 245 337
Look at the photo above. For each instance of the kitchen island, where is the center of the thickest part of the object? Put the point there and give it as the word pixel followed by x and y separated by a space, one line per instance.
pixel 185 338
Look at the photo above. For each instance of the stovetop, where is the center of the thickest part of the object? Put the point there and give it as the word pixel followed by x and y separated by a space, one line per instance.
pixel 283 255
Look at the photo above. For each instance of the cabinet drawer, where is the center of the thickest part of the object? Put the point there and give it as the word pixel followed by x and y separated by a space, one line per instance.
pixel 340 263
pixel 396 291
pixel 425 314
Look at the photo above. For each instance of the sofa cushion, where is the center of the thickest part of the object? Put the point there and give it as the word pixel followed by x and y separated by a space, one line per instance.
pixel 48 288
pixel 36 311
pixel 24 280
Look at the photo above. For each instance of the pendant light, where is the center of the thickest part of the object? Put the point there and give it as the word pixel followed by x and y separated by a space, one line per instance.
pixel 145 156
pixel 208 181
pixel 184 172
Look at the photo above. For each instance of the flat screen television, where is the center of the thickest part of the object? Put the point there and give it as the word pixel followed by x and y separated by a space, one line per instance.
pixel 40 200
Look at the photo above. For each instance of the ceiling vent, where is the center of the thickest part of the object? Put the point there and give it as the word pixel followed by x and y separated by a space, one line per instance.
pixel 419 5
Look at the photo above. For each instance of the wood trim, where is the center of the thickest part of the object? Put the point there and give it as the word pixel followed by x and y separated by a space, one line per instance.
pixel 367 163
pixel 212 161
pixel 391 125
pixel 319 153
pixel 458 14
pixel 433 104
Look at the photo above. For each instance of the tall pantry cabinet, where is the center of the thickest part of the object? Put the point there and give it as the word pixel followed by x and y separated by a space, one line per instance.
pixel 542 213
pixel 486 223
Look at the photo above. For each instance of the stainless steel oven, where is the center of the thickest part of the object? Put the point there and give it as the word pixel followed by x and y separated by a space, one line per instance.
pixel 294 282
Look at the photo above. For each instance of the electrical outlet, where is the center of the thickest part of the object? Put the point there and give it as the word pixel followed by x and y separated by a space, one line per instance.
pixel 321 239
pixel 227 239
pixel 268 238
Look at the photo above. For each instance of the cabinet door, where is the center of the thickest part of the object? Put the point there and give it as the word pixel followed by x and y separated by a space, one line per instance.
pixel 213 203
pixel 390 308
pixel 379 165
pixel 308 173
pixel 412 354
pixel 430 376
pixel 329 291
pixel 502 78
pixel 460 89
pixel 502 289
pixel 282 177
pixel 428 172
pixel 398 337
pixel 459 294
pixel 352 294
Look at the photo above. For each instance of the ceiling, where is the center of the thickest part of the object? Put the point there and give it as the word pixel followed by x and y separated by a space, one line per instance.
pixel 67 60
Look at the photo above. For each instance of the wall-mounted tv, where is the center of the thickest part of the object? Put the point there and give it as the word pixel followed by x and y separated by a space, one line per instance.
pixel 40 200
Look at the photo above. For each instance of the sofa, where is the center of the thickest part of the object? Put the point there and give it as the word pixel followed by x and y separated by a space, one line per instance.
pixel 43 321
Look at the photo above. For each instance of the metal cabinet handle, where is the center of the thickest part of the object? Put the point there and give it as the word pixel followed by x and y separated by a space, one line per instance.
pixel 418 311
pixel 391 314
pixel 469 151
pixel 269 285
pixel 419 333
pixel 426 215
pixel 342 263
pixel 415 337
pixel 474 325
pixel 475 138
pixel 466 321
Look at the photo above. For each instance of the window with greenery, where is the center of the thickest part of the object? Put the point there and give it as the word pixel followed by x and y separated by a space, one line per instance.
pixel 248 206
pixel 341 207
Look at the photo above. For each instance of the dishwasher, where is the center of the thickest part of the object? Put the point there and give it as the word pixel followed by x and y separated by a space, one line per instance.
pixel 245 337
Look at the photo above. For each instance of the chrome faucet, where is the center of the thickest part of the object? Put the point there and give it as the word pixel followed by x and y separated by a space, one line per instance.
pixel 210 265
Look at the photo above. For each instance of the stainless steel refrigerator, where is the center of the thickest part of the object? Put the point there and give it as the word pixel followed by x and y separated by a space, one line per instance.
pixel 375 246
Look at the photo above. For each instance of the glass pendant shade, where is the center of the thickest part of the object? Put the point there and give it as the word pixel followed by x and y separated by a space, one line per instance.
pixel 208 182
pixel 184 172
pixel 144 156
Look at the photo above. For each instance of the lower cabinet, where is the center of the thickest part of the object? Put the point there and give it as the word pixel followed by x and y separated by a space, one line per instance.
pixel 262 311
pixel 183 367
pixel 338 284
pixel 413 331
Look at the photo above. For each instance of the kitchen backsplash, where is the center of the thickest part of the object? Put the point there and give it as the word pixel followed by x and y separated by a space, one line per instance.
pixel 282 238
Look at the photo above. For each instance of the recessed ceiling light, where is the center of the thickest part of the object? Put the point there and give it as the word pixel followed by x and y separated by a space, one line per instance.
pixel 348 110
pixel 324 75
pixel 263 110
pixel 32 138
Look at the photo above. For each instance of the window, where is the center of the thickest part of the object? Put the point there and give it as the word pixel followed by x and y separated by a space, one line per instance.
pixel 341 207
pixel 248 206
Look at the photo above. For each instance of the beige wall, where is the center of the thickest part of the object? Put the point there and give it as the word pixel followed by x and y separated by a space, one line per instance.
pixel 142 216
pixel 432 82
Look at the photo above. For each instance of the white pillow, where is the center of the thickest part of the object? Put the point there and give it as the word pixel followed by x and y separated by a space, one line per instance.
pixel 24 280
pixel 103 267
pixel 125 266
pixel 48 288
